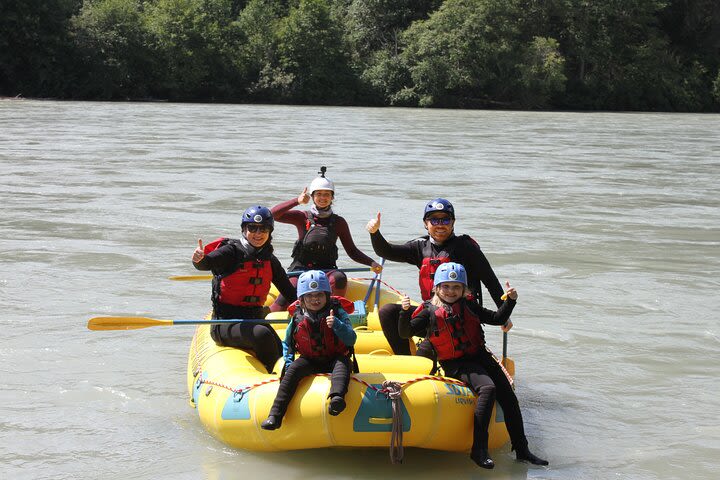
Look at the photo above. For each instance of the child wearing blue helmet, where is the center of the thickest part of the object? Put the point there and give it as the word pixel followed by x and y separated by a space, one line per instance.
pixel 452 324
pixel 321 332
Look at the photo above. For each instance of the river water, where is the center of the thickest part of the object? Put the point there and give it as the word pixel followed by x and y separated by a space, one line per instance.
pixel 607 224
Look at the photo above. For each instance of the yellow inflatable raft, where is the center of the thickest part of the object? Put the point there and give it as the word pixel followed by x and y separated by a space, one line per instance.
pixel 233 393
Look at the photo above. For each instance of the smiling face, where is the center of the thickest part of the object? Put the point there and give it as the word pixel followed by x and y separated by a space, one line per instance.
pixel 443 229
pixel 450 292
pixel 257 234
pixel 314 301
pixel 322 198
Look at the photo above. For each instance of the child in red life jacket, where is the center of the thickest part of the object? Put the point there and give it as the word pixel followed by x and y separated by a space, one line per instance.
pixel 321 332
pixel 452 324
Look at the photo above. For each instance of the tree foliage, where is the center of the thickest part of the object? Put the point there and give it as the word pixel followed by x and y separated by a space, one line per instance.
pixel 570 54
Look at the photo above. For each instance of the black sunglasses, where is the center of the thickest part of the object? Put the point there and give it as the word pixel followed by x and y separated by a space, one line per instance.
pixel 255 227
pixel 440 221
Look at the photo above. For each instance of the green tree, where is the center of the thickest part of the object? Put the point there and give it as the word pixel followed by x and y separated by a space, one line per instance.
pixel 619 57
pixel 312 66
pixel 255 54
pixel 468 53
pixel 195 39
pixel 113 48
pixel 35 47
pixel 541 73
pixel 373 30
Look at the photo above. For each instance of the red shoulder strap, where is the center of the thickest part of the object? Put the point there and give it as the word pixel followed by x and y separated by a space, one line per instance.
pixel 346 304
pixel 293 306
pixel 214 245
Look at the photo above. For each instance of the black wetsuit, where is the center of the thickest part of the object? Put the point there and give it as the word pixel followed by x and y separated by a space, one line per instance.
pixel 462 249
pixel 259 338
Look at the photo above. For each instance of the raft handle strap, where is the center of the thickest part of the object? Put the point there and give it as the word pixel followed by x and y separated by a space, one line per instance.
pixel 393 390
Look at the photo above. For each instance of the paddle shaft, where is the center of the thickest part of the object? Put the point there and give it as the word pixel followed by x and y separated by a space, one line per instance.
pixel 134 323
pixel 289 274
pixel 377 288
pixel 372 283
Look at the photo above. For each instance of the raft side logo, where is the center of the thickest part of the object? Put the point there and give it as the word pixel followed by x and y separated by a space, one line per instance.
pixel 464 395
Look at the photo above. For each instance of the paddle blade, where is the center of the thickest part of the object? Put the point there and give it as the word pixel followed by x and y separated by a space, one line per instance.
pixel 190 278
pixel 124 323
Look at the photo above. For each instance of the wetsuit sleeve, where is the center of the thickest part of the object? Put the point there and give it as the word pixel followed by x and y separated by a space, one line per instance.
pixel 287 344
pixel 281 280
pixel 343 233
pixel 406 253
pixel 218 260
pixel 284 213
pixel 486 275
pixel 414 323
pixel 343 328
pixel 404 323
pixel 489 317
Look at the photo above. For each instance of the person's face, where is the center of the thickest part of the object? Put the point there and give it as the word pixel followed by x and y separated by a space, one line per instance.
pixel 440 226
pixel 450 292
pixel 322 198
pixel 257 234
pixel 314 301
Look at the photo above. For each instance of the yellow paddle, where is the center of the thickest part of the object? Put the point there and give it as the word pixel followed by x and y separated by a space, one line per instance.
pixel 190 278
pixel 133 323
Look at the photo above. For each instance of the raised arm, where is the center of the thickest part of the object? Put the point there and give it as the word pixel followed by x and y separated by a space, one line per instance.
pixel 284 213
pixel 281 280
pixel 484 272
pixel 343 233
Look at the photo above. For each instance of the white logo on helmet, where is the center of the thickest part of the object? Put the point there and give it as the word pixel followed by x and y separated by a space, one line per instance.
pixel 438 206
pixel 314 284
pixel 453 275
pixel 257 218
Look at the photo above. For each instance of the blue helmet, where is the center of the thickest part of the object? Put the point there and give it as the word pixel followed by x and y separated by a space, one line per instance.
pixel 439 205
pixel 312 281
pixel 450 272
pixel 258 214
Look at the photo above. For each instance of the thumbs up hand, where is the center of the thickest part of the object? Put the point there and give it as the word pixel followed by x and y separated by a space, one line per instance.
pixel 374 224
pixel 330 319
pixel 510 291
pixel 199 253
pixel 303 198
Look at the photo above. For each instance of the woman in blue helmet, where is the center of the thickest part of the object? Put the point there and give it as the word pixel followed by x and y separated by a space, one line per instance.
pixel 428 252
pixel 453 326
pixel 319 229
pixel 321 332
pixel 243 270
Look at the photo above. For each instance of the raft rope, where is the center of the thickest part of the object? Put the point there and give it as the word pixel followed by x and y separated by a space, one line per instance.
pixel 393 390
pixel 380 281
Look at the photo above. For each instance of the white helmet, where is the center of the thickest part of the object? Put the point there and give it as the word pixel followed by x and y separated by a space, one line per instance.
pixel 322 183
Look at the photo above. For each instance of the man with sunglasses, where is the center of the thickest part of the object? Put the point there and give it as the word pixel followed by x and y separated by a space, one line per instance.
pixel 243 270
pixel 428 252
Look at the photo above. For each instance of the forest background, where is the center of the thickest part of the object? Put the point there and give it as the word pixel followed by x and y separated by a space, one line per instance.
pixel 640 55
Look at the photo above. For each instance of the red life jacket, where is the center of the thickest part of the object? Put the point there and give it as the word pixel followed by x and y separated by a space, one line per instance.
pixel 316 339
pixel 432 261
pixel 427 274
pixel 247 286
pixel 454 334
pixel 317 248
